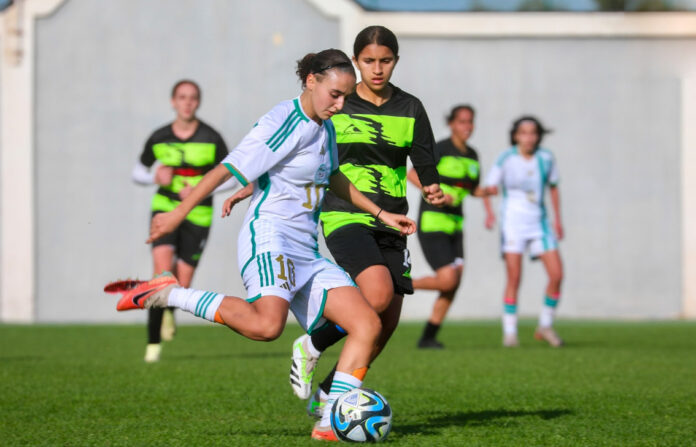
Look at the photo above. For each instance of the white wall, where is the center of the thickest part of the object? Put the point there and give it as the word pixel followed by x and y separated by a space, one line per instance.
pixel 103 74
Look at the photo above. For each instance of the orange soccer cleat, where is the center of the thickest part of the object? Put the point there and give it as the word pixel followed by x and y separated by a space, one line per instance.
pixel 323 433
pixel 146 294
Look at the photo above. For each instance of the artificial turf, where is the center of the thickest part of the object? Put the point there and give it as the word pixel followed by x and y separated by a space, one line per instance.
pixel 620 384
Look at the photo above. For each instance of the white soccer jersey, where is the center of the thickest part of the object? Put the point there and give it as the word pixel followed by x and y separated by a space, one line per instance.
pixel 523 183
pixel 289 158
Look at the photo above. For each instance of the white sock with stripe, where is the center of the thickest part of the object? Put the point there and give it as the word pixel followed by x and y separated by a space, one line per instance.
pixel 198 302
pixel 342 382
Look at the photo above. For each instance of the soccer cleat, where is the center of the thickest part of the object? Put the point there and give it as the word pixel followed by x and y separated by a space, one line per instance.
pixel 323 433
pixel 548 335
pixel 168 328
pixel 429 343
pixel 148 294
pixel 510 341
pixel 302 368
pixel 152 352
pixel 315 406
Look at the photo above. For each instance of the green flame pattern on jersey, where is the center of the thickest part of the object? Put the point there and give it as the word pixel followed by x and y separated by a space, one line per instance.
pixel 374 143
pixel 459 176
pixel 200 153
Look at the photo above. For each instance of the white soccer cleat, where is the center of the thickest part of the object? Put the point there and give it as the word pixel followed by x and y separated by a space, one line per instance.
pixel 548 335
pixel 152 352
pixel 315 405
pixel 510 341
pixel 302 369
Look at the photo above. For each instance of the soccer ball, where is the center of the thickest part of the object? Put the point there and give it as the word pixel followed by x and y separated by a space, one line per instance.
pixel 361 415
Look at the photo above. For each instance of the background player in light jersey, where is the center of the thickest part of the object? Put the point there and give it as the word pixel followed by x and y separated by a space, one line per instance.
pixel 440 229
pixel 379 127
pixel 523 172
pixel 290 156
pixel 184 151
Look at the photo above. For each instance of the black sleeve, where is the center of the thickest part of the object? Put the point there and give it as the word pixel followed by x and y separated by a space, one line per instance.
pixel 147 158
pixel 476 180
pixel 220 149
pixel 423 149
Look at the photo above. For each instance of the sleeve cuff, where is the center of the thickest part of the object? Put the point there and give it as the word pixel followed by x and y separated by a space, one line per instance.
pixel 238 175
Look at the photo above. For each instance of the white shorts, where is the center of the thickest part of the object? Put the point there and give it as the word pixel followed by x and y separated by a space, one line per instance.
pixel 303 281
pixel 538 239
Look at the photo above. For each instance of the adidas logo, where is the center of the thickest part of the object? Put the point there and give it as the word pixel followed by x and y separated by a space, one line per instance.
pixel 285 286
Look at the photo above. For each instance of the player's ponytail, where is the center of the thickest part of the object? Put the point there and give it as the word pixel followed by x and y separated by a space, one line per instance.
pixel 319 63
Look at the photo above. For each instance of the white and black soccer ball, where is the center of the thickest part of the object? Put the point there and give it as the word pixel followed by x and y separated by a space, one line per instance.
pixel 361 415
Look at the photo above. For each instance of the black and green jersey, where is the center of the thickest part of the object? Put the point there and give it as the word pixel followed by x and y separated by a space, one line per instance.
pixel 373 143
pixel 191 160
pixel 459 177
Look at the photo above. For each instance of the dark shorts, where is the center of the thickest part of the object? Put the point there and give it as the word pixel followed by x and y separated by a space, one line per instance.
pixel 188 241
pixel 441 249
pixel 357 247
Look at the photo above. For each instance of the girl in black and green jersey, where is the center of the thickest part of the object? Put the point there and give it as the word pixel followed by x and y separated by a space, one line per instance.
pixel 184 150
pixel 441 229
pixel 379 127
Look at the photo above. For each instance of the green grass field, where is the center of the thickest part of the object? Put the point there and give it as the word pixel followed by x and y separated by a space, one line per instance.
pixel 622 384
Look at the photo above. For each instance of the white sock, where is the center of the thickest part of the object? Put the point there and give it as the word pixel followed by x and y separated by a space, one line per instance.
pixel 323 395
pixel 509 324
pixel 546 316
pixel 314 352
pixel 198 302
pixel 342 382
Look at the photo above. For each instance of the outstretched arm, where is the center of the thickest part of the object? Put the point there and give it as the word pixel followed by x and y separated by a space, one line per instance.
pixel 344 189
pixel 556 205
pixel 165 223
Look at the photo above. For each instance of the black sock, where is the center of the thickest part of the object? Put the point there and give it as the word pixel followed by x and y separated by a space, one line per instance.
pixel 430 330
pixel 326 337
pixel 154 325
pixel 326 384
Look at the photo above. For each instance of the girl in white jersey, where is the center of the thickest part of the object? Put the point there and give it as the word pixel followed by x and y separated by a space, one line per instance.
pixel 290 157
pixel 523 172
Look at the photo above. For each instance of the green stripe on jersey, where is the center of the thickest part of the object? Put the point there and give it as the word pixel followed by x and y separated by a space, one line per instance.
pixel 365 178
pixel 333 220
pixel 265 184
pixel 200 215
pixel 178 154
pixel 365 128
pixel 434 221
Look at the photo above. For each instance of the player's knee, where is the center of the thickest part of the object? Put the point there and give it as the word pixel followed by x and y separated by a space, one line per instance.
pixel 380 298
pixel 449 280
pixel 271 330
pixel 371 325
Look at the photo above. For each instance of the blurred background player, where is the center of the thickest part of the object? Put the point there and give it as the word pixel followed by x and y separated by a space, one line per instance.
pixel 183 152
pixel 440 229
pixel 290 157
pixel 379 127
pixel 524 172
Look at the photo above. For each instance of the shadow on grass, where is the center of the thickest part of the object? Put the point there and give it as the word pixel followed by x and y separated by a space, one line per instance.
pixel 239 355
pixel 432 424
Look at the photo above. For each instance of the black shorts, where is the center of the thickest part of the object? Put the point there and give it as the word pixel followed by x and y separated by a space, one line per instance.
pixel 357 247
pixel 188 241
pixel 441 249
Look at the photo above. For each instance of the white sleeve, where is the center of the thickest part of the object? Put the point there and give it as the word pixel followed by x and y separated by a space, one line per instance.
pixel 269 142
pixel 142 175
pixel 495 175
pixel 553 172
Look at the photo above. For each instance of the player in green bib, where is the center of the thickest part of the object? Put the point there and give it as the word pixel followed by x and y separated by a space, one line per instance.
pixel 379 128
pixel 441 229
pixel 182 152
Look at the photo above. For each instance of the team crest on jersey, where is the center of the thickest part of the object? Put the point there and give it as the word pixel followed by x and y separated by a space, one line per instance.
pixel 322 175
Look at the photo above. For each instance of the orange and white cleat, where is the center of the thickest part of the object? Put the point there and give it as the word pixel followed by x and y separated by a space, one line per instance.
pixel 147 294
pixel 323 433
